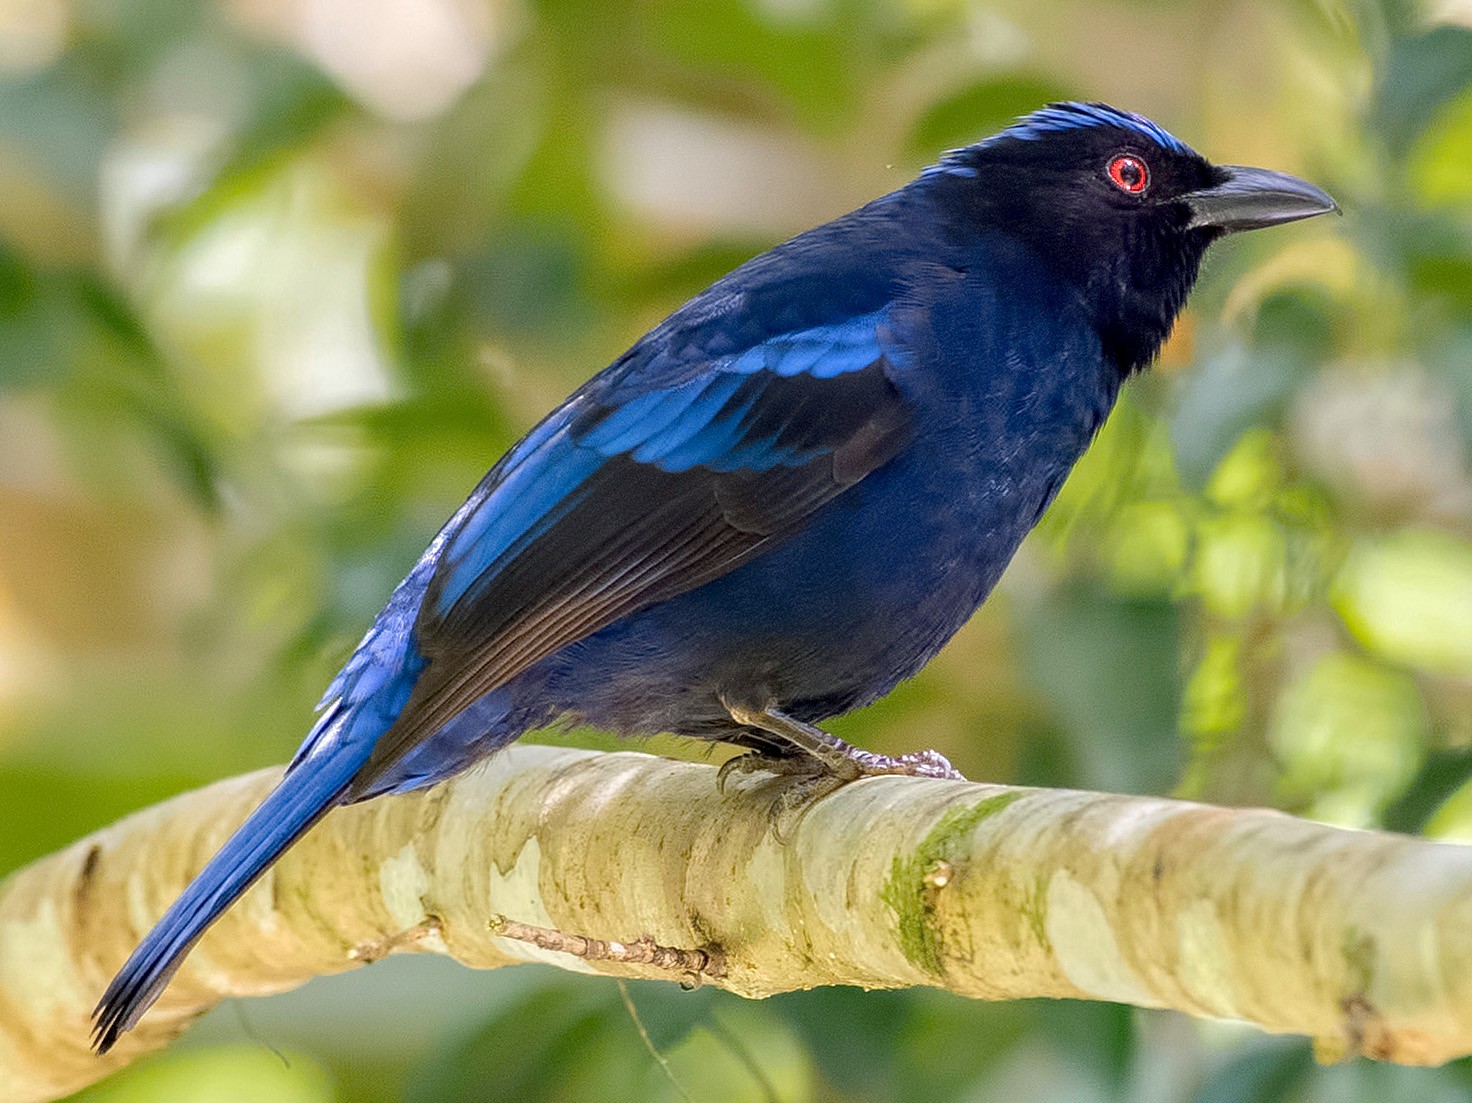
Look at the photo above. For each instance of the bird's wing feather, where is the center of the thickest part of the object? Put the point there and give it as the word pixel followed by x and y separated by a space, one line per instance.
pixel 626 497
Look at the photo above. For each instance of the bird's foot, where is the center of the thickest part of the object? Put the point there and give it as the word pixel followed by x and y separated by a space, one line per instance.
pixel 853 765
pixel 801 781
pixel 838 757
pixel 818 764
pixel 757 762
pixel 915 764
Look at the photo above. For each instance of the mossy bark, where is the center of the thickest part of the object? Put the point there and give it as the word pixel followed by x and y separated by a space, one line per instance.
pixel 1360 940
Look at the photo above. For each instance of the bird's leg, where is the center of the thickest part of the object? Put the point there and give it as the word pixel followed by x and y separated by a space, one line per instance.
pixel 815 752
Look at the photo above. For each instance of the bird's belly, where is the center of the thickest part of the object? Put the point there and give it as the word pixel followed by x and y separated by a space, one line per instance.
pixel 834 618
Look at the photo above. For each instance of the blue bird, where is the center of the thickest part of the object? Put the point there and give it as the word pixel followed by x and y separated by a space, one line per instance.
pixel 785 498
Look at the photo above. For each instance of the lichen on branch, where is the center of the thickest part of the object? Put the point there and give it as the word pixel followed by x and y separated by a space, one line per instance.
pixel 1359 939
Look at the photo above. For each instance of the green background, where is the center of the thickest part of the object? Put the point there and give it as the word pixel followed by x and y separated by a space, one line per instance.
pixel 280 278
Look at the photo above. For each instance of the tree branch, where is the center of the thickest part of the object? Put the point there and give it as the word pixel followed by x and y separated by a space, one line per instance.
pixel 1361 940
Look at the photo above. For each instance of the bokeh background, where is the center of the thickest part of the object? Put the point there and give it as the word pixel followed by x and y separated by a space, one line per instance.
pixel 280 278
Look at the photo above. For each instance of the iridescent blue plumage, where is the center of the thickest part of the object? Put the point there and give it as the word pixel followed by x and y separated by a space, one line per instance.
pixel 783 499
pixel 1073 116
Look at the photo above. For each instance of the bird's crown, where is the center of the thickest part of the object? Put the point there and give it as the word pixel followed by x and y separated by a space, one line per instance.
pixel 1064 116
pixel 1074 116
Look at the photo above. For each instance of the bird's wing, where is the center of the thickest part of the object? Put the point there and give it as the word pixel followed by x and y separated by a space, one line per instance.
pixel 625 497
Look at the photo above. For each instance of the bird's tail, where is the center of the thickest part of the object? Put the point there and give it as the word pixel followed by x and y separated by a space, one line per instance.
pixel 313 785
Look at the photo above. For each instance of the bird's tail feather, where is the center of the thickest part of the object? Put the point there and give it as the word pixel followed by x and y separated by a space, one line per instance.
pixel 310 789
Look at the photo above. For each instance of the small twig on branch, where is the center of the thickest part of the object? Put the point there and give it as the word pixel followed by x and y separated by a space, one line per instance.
pixel 690 965
pixel 397 942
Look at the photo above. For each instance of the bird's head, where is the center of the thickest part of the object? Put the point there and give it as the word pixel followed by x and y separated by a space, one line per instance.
pixel 1117 207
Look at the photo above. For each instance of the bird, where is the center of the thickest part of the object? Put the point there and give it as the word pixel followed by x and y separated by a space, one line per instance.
pixel 781 501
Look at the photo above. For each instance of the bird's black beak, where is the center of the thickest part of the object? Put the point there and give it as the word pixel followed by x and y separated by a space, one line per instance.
pixel 1249 199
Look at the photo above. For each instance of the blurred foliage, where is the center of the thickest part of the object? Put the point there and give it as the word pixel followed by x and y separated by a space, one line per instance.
pixel 280 278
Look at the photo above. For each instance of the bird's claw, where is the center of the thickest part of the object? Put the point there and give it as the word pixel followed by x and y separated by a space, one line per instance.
pixel 754 762
pixel 814 762
pixel 736 764
pixel 807 779
pixel 801 781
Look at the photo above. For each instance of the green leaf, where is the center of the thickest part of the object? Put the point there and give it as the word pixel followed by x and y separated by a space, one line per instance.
pixel 1408 597
pixel 575 1038
pixel 1350 734
pixel 1442 773
pixel 71 331
pixel 1244 386
pixel 527 1053
pixel 285 105
pixel 64 118
pixel 1266 1070
pixel 1421 74
pixel 249 1073
pixel 984 107
pixel 35 327
pixel 814 64
pixel 858 1057
pixel 1100 1037
pixel 50 806
pixel 1109 668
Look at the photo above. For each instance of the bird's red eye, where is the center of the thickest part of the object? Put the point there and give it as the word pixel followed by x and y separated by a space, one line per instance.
pixel 1129 174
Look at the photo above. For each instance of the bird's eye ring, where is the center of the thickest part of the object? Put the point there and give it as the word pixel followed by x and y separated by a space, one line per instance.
pixel 1129 174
